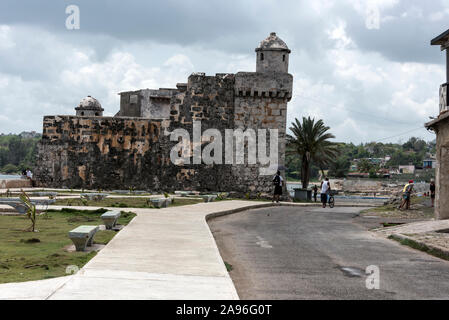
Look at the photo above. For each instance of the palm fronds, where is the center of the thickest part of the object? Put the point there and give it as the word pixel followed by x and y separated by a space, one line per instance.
pixel 310 140
pixel 31 210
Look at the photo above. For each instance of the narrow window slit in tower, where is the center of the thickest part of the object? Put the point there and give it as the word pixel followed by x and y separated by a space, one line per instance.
pixel 261 56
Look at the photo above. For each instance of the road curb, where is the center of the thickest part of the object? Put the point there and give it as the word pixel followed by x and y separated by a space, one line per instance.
pixel 270 204
pixel 433 250
pixel 210 216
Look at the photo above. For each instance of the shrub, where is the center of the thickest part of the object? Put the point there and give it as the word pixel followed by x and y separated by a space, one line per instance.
pixel 10 168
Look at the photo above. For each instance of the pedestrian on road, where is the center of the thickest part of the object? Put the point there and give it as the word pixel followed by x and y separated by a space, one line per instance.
pixel 315 191
pixel 432 192
pixel 29 175
pixel 277 182
pixel 406 195
pixel 325 189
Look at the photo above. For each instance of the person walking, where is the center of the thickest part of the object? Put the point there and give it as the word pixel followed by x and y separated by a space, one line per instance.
pixel 432 192
pixel 406 195
pixel 315 192
pixel 325 189
pixel 29 175
pixel 277 182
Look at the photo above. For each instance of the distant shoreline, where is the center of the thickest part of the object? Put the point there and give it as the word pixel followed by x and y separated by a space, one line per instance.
pixel 10 176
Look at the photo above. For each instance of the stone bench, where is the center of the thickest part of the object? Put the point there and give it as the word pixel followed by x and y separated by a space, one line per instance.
pixel 182 193
pixel 209 197
pixel 161 202
pixel 135 192
pixel 120 191
pixel 110 218
pixel 94 196
pixel 138 192
pixel 17 204
pixel 187 193
pixel 45 194
pixel 83 236
pixel 20 207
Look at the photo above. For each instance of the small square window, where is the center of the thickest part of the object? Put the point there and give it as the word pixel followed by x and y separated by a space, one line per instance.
pixel 133 99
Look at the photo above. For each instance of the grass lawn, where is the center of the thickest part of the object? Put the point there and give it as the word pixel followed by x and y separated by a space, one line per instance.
pixel 125 202
pixel 26 256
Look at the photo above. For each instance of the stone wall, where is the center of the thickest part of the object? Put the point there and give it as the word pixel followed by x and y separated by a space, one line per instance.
pixel 102 152
pixel 122 152
pixel 11 184
pixel 261 103
pixel 442 177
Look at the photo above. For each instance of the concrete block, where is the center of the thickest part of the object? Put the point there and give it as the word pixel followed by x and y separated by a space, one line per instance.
pixel 83 236
pixel 110 218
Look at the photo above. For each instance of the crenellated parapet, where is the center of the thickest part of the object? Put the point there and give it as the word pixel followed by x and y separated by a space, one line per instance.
pixel 264 85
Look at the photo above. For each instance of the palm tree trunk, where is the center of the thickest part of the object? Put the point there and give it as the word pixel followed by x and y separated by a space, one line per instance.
pixel 305 172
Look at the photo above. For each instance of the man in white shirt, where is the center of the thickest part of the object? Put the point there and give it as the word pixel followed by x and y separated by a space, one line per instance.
pixel 30 177
pixel 325 190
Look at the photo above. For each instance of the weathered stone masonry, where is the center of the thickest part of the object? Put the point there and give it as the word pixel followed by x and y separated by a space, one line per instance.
pixel 440 126
pixel 131 149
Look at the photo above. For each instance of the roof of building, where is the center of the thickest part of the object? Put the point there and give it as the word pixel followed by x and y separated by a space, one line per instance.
pixel 441 117
pixel 273 43
pixel 441 39
pixel 89 103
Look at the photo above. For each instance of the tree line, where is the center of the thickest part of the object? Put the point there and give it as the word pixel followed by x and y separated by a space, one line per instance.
pixel 17 153
pixel 310 152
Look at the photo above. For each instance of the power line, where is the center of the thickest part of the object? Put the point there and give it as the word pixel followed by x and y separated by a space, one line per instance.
pixel 400 134
pixel 371 116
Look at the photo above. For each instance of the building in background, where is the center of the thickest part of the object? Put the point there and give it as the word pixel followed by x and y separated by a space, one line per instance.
pixel 132 149
pixel 430 163
pixel 441 127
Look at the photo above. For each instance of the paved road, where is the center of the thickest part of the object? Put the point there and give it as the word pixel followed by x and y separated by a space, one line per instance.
pixel 301 253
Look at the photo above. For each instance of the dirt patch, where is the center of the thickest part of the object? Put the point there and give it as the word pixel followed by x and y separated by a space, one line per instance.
pixel 32 240
pixel 95 247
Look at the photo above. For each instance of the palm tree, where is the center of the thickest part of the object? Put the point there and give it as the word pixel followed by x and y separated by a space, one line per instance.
pixel 31 210
pixel 310 140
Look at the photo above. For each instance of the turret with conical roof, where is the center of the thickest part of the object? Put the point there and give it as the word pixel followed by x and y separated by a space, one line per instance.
pixel 272 55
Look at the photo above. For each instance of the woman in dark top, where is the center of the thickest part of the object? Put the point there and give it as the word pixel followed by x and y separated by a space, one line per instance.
pixel 277 182
pixel 432 192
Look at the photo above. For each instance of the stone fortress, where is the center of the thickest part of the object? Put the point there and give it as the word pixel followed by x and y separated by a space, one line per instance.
pixel 130 150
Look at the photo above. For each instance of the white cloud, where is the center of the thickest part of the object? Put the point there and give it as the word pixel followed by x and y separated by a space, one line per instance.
pixel 343 72
pixel 371 10
pixel 5 38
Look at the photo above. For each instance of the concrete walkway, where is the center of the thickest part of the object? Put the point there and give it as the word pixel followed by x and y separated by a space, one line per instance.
pixel 162 254
pixel 415 227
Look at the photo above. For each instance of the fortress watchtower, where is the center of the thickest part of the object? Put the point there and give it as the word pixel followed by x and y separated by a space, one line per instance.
pixel 272 55
pixel 89 107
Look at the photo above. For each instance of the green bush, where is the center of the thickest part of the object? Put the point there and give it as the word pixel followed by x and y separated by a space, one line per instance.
pixel 10 168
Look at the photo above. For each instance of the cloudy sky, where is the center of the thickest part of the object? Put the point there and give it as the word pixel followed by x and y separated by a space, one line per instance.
pixel 365 67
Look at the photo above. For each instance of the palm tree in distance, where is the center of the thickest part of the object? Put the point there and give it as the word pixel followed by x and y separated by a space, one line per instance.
pixel 310 140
